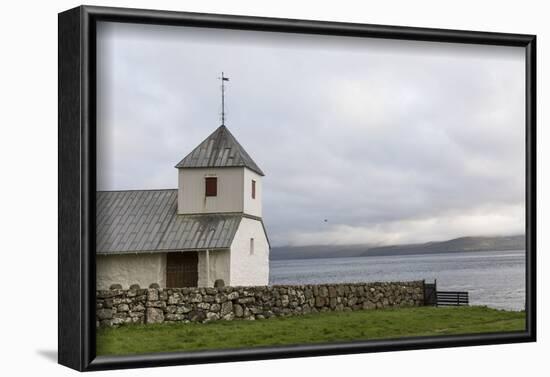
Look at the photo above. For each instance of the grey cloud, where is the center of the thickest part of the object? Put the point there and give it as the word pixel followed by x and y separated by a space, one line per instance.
pixel 388 140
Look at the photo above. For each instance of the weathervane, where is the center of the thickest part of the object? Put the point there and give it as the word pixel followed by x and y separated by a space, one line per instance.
pixel 223 79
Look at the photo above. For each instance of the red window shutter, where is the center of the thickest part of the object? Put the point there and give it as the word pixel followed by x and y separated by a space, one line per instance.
pixel 211 185
pixel 253 189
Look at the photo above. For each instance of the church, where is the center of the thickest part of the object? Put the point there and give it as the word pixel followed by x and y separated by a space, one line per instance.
pixel 208 230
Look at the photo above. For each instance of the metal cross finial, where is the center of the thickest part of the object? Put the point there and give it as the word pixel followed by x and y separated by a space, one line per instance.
pixel 223 79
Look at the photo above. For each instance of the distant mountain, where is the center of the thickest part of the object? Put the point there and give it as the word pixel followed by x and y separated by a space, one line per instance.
pixel 455 245
pixel 317 251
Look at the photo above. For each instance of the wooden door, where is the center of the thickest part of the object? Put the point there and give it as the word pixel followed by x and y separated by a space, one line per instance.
pixel 182 270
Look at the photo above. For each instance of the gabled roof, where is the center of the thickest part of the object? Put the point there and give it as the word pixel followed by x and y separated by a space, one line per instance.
pixel 147 221
pixel 219 150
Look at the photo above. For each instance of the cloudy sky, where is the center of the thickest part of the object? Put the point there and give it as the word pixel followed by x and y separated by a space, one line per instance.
pixel 389 141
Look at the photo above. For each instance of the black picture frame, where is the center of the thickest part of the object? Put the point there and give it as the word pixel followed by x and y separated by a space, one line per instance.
pixel 77 183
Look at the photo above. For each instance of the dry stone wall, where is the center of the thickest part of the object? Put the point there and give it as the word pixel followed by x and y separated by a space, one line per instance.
pixel 156 305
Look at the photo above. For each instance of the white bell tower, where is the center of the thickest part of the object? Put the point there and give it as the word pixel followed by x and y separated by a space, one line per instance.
pixel 219 176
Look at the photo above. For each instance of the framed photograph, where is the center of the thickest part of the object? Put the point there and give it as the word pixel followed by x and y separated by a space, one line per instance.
pixel 240 188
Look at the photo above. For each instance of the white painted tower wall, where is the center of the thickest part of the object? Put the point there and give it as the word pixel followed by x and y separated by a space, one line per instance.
pixel 234 191
pixel 247 268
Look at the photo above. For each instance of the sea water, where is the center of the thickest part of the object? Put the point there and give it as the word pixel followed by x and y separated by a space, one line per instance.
pixel 492 278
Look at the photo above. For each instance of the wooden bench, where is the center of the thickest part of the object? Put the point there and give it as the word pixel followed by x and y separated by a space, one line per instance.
pixel 448 298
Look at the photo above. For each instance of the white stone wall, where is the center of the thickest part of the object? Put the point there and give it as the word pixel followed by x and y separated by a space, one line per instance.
pixel 219 267
pixel 252 206
pixel 191 190
pixel 247 269
pixel 128 269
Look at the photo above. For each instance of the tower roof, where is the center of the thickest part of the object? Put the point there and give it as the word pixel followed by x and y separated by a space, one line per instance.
pixel 219 150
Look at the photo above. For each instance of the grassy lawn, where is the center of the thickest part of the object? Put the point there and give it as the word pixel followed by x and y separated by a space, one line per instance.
pixel 316 328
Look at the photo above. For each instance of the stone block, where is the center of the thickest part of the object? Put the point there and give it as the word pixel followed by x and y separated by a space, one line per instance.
pixel 210 316
pixel 123 308
pixel 246 300
pixel 226 308
pixel 238 310
pixel 233 295
pixel 154 315
pixel 215 307
pixel 175 298
pixel 203 305
pixel 103 314
pixel 228 317
pixel 174 317
pixel 185 308
pixel 152 294
pixel 208 298
pixel 195 297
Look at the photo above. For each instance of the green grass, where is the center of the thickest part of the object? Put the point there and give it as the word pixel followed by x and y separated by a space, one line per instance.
pixel 316 328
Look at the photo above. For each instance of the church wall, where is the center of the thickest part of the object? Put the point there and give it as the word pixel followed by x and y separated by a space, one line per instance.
pixel 191 183
pixel 247 269
pixel 252 206
pixel 219 267
pixel 128 269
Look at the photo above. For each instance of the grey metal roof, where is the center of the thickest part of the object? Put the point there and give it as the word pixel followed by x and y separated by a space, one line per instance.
pixel 147 221
pixel 220 149
pixel 192 232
